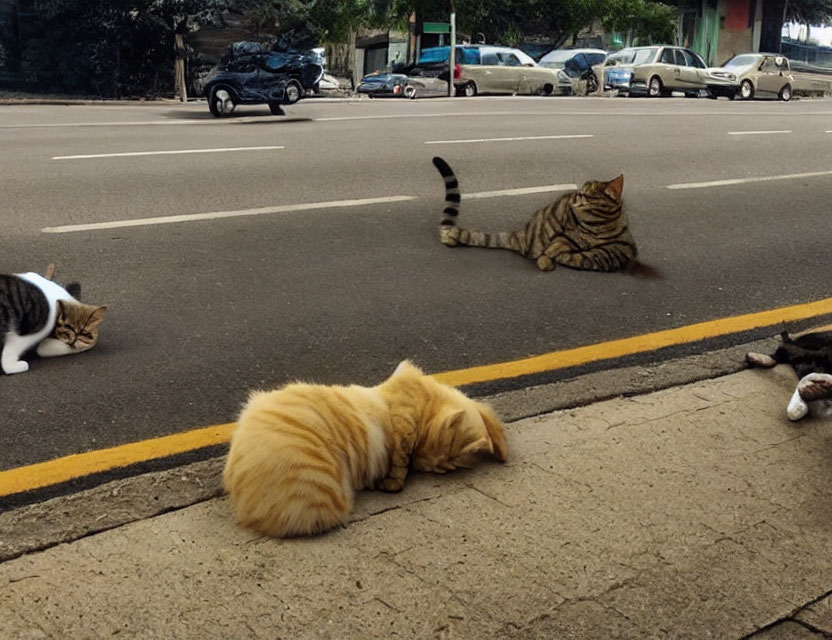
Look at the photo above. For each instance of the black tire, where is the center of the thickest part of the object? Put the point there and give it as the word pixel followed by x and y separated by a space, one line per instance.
pixel 469 90
pixel 746 90
pixel 732 95
pixel 219 100
pixel 276 109
pixel 547 89
pixel 655 88
pixel 410 92
pixel 293 92
pixel 785 93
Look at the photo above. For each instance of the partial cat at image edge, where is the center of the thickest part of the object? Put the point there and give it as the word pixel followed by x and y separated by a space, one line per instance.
pixel 810 356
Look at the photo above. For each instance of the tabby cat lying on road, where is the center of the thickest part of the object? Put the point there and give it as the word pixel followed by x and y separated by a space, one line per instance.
pixel 584 229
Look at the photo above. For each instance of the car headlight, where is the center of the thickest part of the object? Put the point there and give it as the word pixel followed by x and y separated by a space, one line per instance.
pixel 723 75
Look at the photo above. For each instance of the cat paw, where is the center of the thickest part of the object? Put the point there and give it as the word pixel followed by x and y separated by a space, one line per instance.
pixel 815 386
pixel 797 408
pixel 391 485
pixel 21 366
pixel 544 263
pixel 449 235
pixel 759 360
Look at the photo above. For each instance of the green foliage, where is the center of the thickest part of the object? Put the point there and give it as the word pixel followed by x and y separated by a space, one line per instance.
pixel 112 48
pixel 815 13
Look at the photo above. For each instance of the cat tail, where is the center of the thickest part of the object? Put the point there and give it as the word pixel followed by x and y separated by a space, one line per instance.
pixel 452 235
pixel 641 270
pixel 452 197
pixel 280 483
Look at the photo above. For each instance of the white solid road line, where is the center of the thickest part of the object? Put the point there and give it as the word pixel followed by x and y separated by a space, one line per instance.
pixel 555 137
pixel 289 208
pixel 723 183
pixel 519 192
pixel 756 133
pixel 130 154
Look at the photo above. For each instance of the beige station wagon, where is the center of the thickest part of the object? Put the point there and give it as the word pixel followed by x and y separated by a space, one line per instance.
pixel 659 70
pixel 762 75
pixel 493 69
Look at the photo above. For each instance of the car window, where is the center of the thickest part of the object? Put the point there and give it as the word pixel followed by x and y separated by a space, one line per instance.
pixel 768 65
pixel 668 57
pixel 697 60
pixel 509 60
pixel 489 58
pixel 680 58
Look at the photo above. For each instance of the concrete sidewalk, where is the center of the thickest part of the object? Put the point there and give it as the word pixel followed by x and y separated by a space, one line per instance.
pixel 699 511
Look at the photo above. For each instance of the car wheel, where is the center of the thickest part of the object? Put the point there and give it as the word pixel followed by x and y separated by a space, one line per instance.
pixel 410 92
pixel 732 95
pixel 746 90
pixel 470 90
pixel 547 89
pixel 293 92
pixel 786 93
pixel 276 109
pixel 655 87
pixel 712 94
pixel 221 103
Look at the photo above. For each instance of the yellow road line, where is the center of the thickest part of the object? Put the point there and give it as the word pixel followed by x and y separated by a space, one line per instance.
pixel 636 344
pixel 44 474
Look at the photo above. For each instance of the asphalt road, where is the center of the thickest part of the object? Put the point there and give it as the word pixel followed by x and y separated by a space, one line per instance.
pixel 204 309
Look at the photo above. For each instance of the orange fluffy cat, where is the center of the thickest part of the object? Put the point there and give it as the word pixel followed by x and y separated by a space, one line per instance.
pixel 299 453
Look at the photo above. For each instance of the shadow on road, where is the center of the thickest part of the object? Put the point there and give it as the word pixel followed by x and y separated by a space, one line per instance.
pixel 206 115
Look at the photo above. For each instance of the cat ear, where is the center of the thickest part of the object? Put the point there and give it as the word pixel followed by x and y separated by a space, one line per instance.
pixel 494 428
pixel 615 187
pixel 61 309
pixel 96 317
pixel 407 365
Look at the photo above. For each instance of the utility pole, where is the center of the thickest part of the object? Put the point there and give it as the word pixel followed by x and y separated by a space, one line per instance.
pixel 452 55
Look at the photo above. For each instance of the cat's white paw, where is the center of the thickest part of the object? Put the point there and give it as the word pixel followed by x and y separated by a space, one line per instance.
pixel 759 360
pixel 21 366
pixel 815 386
pixel 797 408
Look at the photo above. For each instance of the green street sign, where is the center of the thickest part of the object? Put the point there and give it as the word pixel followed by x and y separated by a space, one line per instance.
pixel 436 27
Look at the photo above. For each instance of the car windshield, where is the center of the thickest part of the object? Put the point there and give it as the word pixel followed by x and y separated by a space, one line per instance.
pixel 741 61
pixel 555 59
pixel 634 56
pixel 464 55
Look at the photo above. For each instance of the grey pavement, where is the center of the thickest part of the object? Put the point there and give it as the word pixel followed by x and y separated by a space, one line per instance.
pixel 698 511
pixel 341 295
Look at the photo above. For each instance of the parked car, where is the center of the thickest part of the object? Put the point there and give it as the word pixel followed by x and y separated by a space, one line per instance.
pixel 571 65
pixel 492 69
pixel 761 75
pixel 250 74
pixel 412 81
pixel 658 70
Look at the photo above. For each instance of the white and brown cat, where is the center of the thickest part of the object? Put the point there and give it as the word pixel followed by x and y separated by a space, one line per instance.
pixel 37 313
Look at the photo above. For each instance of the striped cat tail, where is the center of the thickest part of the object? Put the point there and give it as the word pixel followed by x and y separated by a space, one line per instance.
pixel 452 197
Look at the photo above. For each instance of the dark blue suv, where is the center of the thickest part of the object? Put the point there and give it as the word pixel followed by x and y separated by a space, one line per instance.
pixel 250 74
